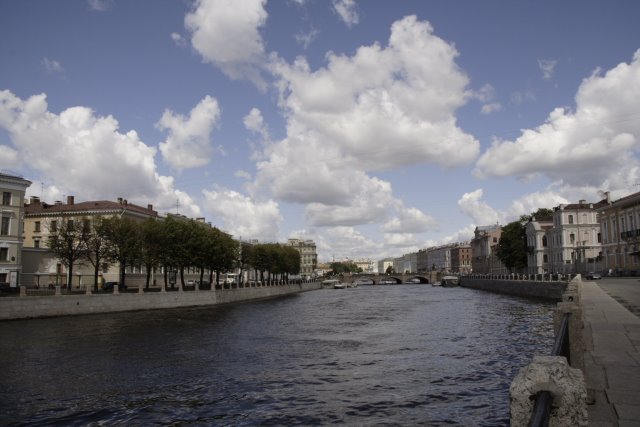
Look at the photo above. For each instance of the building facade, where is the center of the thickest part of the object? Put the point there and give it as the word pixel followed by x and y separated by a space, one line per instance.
pixel 308 256
pixel 461 258
pixel 538 244
pixel 620 227
pixel 483 247
pixel 41 219
pixel 11 228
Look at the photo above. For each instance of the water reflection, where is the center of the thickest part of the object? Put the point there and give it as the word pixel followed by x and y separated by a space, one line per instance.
pixel 373 355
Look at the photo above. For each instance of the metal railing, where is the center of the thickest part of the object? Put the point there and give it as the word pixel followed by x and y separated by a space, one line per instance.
pixel 544 399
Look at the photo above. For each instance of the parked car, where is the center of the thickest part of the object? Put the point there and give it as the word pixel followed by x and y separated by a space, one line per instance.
pixel 592 276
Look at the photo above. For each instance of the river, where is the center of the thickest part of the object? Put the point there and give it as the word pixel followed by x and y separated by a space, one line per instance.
pixel 372 355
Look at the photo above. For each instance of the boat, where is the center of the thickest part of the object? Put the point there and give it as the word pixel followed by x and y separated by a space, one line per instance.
pixel 450 281
pixel 436 284
pixel 339 285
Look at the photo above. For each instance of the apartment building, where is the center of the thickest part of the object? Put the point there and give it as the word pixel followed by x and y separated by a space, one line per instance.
pixel 42 218
pixel 461 258
pixel 13 189
pixel 308 256
pixel 620 226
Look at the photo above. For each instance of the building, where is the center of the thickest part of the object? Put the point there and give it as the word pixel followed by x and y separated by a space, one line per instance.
pixel 575 239
pixel 620 225
pixel 538 244
pixel 461 258
pixel 308 256
pixel 366 265
pixel 41 218
pixel 483 247
pixel 13 188
pixel 384 264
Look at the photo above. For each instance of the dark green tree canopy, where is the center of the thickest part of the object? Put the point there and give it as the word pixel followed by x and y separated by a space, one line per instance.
pixel 512 246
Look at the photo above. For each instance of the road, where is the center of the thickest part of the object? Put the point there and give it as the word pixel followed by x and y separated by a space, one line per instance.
pixel 625 290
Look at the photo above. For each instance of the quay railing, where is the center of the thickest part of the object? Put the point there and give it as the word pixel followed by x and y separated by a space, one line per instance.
pixel 540 277
pixel 544 399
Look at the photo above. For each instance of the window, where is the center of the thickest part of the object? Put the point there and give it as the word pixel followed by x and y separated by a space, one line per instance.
pixel 544 242
pixel 572 238
pixel 4 254
pixel 70 224
pixel 36 243
pixel 6 198
pixel 4 227
pixel 570 219
pixel 599 238
pixel 37 227
pixel 54 226
pixel 545 258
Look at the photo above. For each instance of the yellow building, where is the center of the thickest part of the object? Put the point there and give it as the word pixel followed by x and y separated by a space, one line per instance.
pixel 40 218
pixel 13 189
pixel 620 228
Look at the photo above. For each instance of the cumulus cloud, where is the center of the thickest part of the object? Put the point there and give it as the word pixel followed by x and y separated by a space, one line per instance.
pixel 189 144
pixel 84 154
pixel 226 33
pixel 305 39
pixel 403 240
pixel 478 210
pixel 547 66
pixel 347 11
pixel 243 216
pixel 255 123
pixel 411 220
pixel 381 108
pixel 596 145
pixel 491 108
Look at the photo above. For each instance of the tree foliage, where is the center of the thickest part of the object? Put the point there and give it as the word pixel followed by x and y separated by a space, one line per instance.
pixel 68 242
pixel 512 246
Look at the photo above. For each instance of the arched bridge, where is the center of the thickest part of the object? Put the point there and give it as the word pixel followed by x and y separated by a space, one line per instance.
pixel 392 279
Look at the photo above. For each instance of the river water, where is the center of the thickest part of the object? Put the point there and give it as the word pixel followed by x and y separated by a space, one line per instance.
pixel 373 355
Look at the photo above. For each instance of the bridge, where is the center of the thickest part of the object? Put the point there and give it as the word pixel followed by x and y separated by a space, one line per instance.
pixel 392 279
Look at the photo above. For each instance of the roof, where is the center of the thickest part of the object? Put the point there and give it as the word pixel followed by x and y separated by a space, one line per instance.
pixel 585 205
pixel 89 207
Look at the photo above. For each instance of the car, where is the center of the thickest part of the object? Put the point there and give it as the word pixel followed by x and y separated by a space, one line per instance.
pixel 592 276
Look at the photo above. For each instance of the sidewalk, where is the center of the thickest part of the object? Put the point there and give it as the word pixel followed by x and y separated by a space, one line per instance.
pixel 612 358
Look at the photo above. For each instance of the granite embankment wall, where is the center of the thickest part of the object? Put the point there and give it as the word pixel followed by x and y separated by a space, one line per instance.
pixel 63 305
pixel 550 290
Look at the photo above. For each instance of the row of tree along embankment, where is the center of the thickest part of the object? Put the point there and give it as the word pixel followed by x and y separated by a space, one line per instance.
pixel 544 286
pixel 24 306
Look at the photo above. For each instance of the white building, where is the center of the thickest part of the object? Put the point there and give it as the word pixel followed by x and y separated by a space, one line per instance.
pixel 12 228
pixel 620 225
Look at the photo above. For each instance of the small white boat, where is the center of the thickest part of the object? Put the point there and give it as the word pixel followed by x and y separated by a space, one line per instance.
pixel 436 284
pixel 339 285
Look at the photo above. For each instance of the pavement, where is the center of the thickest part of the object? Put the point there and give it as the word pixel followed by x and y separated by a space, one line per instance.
pixel 612 357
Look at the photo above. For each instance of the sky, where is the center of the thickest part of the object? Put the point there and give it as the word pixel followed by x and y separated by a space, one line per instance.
pixel 374 128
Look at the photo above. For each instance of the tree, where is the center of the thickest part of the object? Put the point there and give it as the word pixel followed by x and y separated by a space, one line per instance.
pixel 152 239
pixel 99 251
pixel 124 236
pixel 344 267
pixel 68 242
pixel 541 213
pixel 512 246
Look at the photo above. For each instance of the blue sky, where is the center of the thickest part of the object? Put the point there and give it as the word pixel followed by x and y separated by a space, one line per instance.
pixel 375 128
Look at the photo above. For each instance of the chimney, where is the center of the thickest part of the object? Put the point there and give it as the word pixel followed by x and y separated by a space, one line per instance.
pixel 35 200
pixel 58 203
pixel 120 200
pixel 607 195
pixel 70 200
pixel 582 202
pixel 200 219
pixel 124 202
pixel 150 207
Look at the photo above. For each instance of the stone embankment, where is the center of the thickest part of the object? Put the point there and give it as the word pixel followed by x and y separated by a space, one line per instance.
pixel 24 307
pixel 545 286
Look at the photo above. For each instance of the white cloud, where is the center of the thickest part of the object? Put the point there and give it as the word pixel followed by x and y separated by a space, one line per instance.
pixel 255 123
pixel 178 39
pixel 491 108
pixel 479 211
pixel 485 94
pixel 595 146
pixel 226 34
pixel 404 240
pixel 99 5
pixel 189 144
pixel 242 216
pixel 410 220
pixel 518 98
pixel 382 108
pixel 242 174
pixel 86 155
pixel 547 66
pixel 52 66
pixel 305 39
pixel 342 240
pixel 347 11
